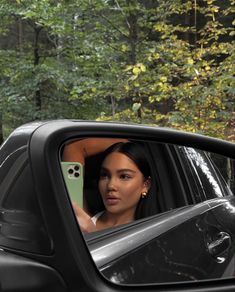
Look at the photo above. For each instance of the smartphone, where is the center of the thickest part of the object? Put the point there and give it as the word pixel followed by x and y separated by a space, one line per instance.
pixel 73 176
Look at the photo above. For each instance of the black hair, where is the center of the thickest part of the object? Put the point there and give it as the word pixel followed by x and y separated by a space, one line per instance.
pixel 136 152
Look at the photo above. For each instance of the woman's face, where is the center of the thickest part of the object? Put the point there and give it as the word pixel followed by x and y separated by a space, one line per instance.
pixel 121 184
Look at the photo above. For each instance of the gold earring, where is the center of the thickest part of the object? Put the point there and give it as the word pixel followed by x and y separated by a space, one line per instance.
pixel 143 195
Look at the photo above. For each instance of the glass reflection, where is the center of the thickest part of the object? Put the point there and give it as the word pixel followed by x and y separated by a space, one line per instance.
pixel 201 165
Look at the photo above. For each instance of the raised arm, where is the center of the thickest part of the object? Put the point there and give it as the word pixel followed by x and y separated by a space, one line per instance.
pixel 81 149
pixel 78 151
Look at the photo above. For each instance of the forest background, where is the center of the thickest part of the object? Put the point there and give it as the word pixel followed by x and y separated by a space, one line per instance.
pixel 159 62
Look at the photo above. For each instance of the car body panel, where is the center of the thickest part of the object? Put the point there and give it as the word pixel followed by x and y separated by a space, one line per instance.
pixel 171 246
pixel 19 273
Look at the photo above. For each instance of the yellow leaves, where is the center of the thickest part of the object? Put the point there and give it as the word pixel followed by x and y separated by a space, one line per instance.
pixel 18 1
pixel 153 99
pixel 215 9
pixel 93 89
pixel 190 61
pixel 232 33
pixel 162 87
pixel 156 56
pixel 136 70
pixel 142 67
pixel 163 79
pixel 217 101
pixel 153 56
pixel 124 48
pixel 136 84
pixel 159 26
pixel 212 114
pixel 128 68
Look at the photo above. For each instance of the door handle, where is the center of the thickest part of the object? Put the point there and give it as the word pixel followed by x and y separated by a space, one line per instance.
pixel 220 245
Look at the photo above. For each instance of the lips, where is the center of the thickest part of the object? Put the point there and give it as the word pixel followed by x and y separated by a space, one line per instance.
pixel 111 200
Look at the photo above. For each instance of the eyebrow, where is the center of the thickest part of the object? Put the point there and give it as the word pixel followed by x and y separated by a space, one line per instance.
pixel 120 170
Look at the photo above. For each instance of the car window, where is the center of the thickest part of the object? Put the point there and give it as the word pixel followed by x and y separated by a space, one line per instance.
pixel 200 180
pixel 201 173
pixel 225 168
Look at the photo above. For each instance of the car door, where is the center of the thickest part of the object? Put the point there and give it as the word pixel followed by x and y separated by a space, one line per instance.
pixel 206 179
pixel 167 248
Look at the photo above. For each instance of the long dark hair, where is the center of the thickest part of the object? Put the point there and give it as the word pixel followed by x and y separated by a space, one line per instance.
pixel 136 152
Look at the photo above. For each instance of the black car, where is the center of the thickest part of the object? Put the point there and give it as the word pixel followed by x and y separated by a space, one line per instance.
pixel 188 245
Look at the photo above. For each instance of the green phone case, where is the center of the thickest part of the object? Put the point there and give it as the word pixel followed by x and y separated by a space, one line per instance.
pixel 73 176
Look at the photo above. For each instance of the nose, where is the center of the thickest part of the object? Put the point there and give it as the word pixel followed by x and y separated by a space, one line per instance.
pixel 112 183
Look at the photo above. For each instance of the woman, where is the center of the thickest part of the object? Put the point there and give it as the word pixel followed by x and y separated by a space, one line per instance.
pixel 124 183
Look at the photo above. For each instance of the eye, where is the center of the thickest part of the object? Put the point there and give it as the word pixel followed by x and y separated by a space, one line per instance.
pixel 125 176
pixel 103 174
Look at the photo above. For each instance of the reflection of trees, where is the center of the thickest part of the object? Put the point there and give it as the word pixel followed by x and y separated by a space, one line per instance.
pixel 226 167
pixel 202 168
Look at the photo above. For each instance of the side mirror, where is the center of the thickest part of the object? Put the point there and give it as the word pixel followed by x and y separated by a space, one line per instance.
pixel 187 208
pixel 189 233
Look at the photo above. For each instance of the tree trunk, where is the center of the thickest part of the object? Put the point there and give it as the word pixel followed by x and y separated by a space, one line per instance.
pixel 195 22
pixel 38 100
pixel 20 35
pixel 133 34
pixel 132 39
pixel 191 20
pixel 113 105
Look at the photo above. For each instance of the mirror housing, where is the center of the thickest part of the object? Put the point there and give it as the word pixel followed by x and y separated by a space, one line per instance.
pixel 44 143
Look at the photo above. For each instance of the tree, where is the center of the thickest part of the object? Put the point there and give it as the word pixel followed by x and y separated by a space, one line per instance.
pixel 194 74
pixel 47 59
pixel 159 62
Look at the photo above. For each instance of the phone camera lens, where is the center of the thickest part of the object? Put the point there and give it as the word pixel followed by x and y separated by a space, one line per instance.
pixel 70 171
pixel 76 174
pixel 76 167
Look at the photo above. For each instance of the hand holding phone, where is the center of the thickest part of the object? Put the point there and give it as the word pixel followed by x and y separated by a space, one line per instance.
pixel 73 176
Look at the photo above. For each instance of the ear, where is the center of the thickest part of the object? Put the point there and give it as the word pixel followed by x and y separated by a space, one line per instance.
pixel 147 183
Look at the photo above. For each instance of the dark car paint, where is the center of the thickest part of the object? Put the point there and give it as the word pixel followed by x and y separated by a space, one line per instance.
pixel 43 203
pixel 169 247
pixel 20 273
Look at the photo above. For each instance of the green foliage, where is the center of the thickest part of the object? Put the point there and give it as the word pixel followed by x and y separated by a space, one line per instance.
pixel 163 62
pixel 198 77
